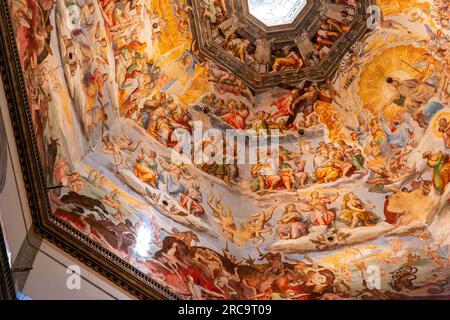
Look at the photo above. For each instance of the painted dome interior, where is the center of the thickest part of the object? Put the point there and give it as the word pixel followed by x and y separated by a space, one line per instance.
pixel 260 149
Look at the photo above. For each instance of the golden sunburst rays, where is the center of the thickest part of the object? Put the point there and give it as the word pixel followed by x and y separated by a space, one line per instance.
pixel 197 88
pixel 401 63
pixel 391 7
pixel 435 123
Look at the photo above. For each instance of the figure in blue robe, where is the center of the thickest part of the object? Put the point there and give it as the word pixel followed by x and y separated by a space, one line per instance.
pixel 399 134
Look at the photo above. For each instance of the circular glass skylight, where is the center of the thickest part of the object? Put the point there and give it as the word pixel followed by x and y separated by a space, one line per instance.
pixel 276 12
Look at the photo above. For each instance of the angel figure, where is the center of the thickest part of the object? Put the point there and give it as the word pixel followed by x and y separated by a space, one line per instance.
pixel 317 205
pixel 222 216
pixel 260 223
pixel 109 147
pixel 252 229
pixel 355 213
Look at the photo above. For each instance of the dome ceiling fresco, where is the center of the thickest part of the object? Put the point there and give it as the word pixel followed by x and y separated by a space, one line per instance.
pixel 228 154
pixel 309 45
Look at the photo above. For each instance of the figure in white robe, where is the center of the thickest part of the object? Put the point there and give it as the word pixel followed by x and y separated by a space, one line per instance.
pixel 412 94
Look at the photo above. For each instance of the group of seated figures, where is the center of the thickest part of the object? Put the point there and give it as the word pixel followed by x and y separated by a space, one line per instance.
pixel 331 162
pixel 264 55
pixel 161 115
pixel 294 110
pixel 314 211
pixel 233 112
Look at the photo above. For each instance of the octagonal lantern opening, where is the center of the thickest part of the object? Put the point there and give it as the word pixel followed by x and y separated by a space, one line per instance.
pixel 276 12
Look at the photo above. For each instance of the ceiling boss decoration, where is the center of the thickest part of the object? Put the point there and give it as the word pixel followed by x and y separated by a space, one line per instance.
pixel 268 43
